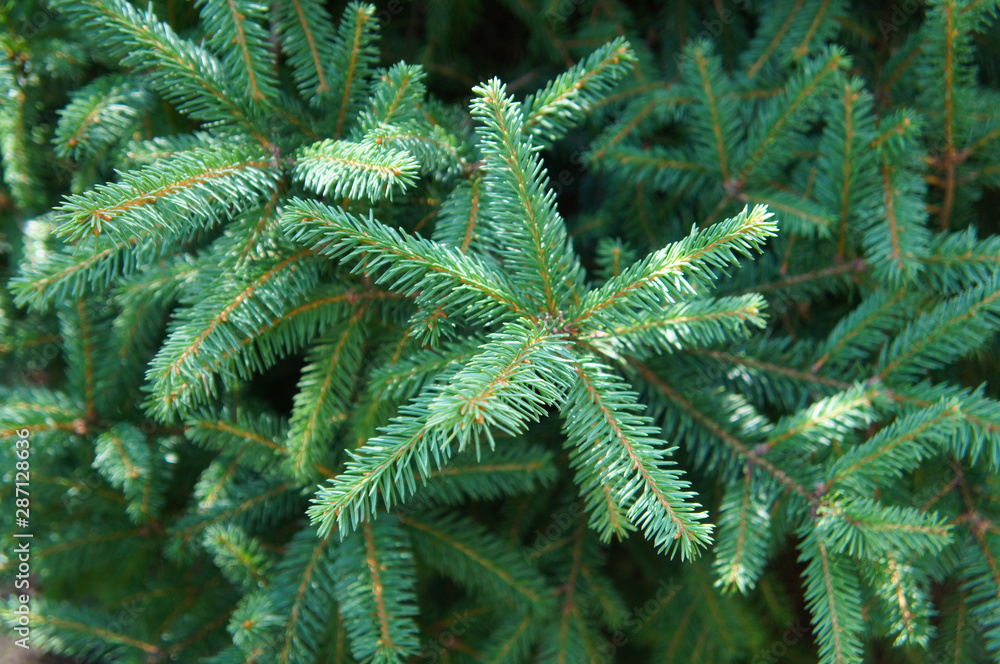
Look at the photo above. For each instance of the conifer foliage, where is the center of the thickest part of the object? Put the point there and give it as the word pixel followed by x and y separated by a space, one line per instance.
pixel 318 367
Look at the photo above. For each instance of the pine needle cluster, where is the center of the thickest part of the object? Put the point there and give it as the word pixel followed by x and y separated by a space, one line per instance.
pixel 319 367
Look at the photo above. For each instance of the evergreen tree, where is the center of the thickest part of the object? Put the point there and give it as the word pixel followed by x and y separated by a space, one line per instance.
pixel 312 365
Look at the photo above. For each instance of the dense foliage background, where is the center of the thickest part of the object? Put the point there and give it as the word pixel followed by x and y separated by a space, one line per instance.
pixel 754 324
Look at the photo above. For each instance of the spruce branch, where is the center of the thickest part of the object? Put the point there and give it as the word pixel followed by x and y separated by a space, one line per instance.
pixel 236 31
pixel 833 596
pixel 459 548
pixel 534 241
pixel 622 451
pixel 552 111
pixel 355 170
pixel 396 97
pixel 694 322
pixel 324 394
pixel 66 272
pixel 378 607
pixel 865 528
pixel 409 264
pixel 299 595
pixel 355 54
pixel 707 86
pixel 307 39
pixel 676 271
pixel 896 448
pixel 950 330
pixel 516 374
pixel 101 114
pixel 183 373
pixel 184 73
pixel 382 471
pixel 191 188
pixel 744 533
